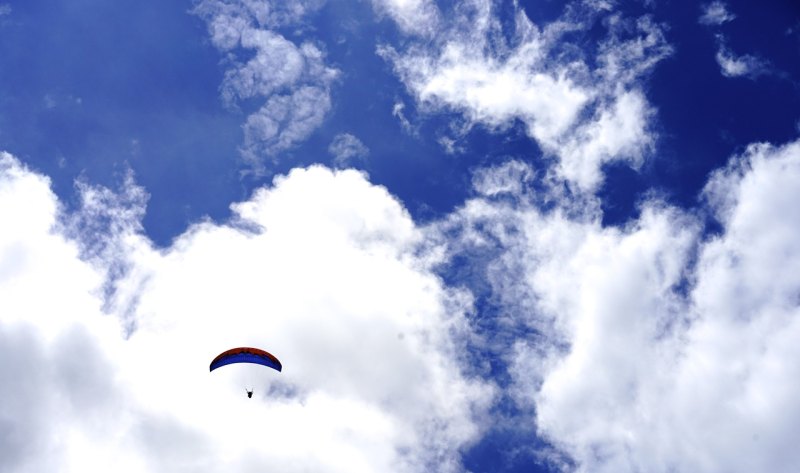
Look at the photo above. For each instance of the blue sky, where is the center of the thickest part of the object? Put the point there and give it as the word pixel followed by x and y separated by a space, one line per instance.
pixel 480 235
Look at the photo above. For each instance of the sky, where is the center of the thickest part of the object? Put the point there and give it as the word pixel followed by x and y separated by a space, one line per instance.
pixel 480 235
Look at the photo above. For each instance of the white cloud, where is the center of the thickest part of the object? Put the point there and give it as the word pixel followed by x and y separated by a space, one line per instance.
pixel 745 65
pixel 618 132
pixel 292 78
pixel 5 9
pixel 420 17
pixel 278 63
pixel 715 14
pixel 656 348
pixel 398 111
pixel 322 268
pixel 539 78
pixel 507 178
pixel 55 375
pixel 227 18
pixel 625 58
pixel 731 64
pixel 346 148
pixel 465 75
pixel 283 121
pixel 451 145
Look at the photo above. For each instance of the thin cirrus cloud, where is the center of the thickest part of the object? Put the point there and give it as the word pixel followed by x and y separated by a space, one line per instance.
pixel 347 149
pixel 322 268
pixel 585 116
pixel 291 78
pixel 656 348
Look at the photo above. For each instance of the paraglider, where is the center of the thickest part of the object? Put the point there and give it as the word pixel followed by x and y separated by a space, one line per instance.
pixel 246 355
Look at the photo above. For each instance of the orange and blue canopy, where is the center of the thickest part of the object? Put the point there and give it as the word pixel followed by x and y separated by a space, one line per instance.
pixel 245 355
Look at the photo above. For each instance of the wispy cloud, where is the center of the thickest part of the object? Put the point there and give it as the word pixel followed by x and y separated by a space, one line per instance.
pixel 511 177
pixel 398 111
pixel 292 78
pixel 535 77
pixel 418 17
pixel 715 14
pixel 284 121
pixel 746 65
pixel 346 149
pixel 731 64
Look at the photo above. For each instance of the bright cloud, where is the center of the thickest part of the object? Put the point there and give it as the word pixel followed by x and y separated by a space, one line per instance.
pixel 618 132
pixel 462 75
pixel 661 345
pixel 656 349
pixel 535 78
pixel 57 381
pixel 322 268
pixel 292 78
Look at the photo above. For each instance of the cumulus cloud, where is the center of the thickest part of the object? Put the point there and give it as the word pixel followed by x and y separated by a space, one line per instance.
pixel 539 78
pixel 5 9
pixel 653 347
pixel 715 14
pixel 56 380
pixel 292 78
pixel 346 149
pixel 322 268
pixel 644 348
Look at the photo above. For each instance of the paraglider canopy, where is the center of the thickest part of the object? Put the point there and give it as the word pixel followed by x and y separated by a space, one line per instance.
pixel 245 355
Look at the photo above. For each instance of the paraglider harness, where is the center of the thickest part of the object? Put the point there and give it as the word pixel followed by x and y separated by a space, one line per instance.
pixel 249 392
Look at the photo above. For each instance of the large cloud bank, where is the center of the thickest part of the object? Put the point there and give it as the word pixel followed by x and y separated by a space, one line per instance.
pixel 656 348
pixel 653 347
pixel 323 269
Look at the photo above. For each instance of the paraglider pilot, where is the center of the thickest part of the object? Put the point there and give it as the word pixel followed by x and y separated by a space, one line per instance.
pixel 246 355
